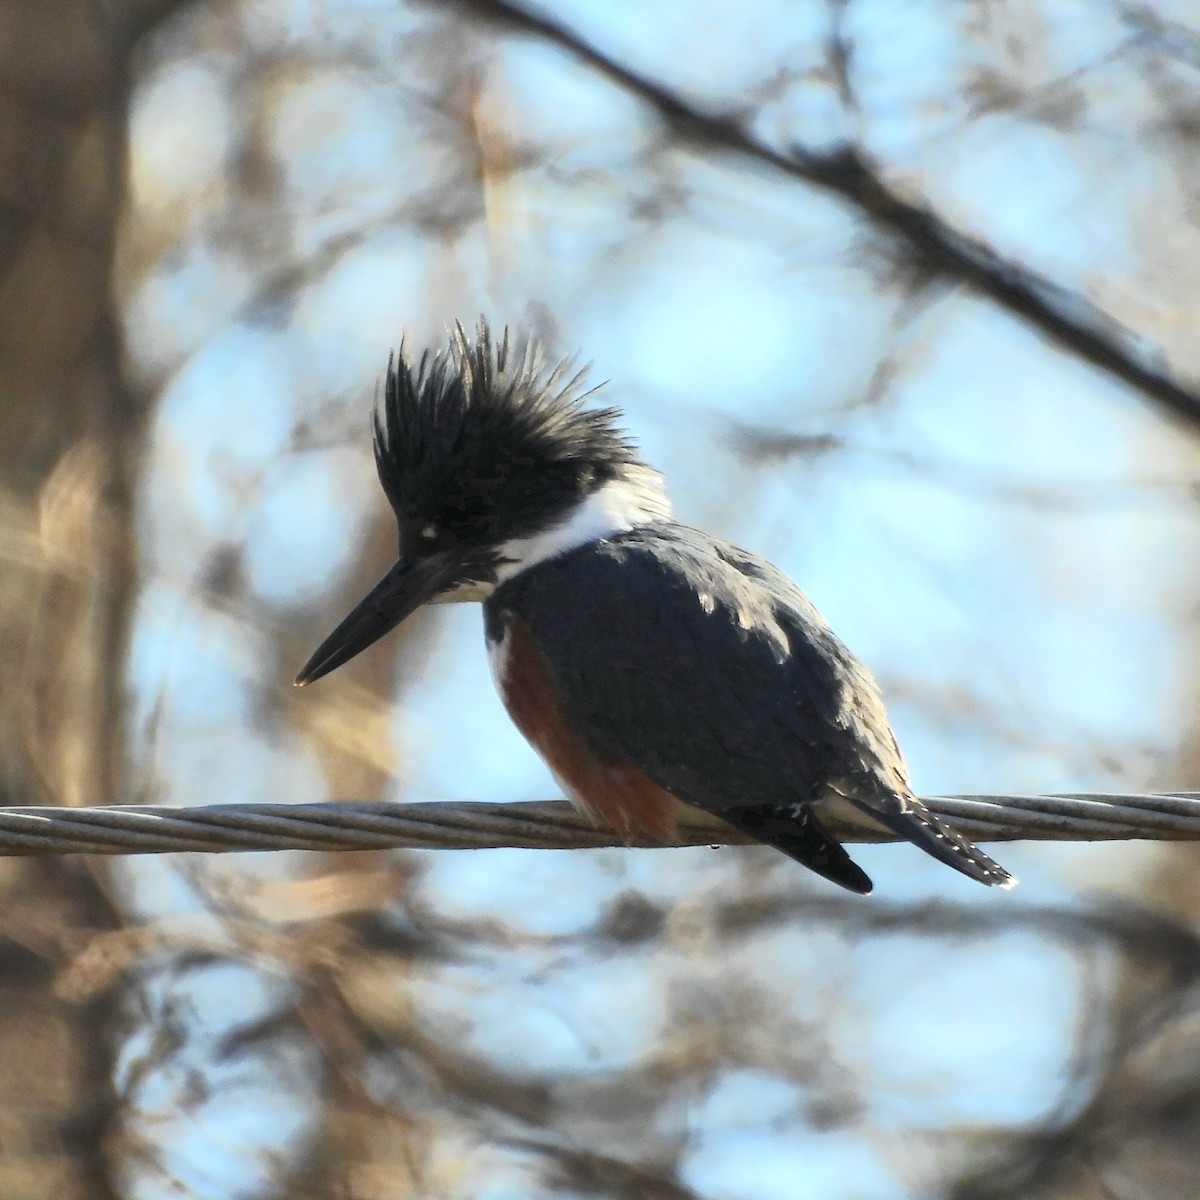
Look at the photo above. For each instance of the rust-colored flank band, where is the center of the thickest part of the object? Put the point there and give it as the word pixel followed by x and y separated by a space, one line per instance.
pixel 598 782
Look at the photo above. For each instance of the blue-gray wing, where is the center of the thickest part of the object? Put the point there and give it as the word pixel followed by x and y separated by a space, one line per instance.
pixel 708 670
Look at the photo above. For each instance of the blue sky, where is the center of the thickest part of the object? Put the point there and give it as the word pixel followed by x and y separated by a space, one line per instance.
pixel 1001 536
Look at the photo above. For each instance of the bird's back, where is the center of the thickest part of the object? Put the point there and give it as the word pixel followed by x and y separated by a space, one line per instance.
pixel 707 668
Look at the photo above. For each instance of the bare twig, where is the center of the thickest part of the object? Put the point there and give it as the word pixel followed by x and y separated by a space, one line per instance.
pixel 934 246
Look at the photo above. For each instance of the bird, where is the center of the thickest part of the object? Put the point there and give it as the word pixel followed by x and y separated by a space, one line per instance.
pixel 652 666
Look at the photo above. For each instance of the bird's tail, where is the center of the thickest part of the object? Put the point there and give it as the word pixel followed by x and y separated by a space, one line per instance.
pixel 795 830
pixel 912 820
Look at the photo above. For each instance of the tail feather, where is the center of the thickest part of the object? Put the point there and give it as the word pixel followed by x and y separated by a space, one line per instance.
pixel 795 830
pixel 912 820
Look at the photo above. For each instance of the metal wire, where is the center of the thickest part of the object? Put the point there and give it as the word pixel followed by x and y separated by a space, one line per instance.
pixel 545 825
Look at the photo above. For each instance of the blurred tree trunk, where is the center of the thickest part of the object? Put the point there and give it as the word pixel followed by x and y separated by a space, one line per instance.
pixel 69 439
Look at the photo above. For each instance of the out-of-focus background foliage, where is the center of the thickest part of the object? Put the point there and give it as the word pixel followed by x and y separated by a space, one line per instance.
pixel 903 296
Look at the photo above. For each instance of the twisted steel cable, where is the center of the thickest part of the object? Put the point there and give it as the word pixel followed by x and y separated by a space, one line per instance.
pixel 547 825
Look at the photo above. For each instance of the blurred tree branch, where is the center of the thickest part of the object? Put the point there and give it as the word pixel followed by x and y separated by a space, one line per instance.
pixel 392 1025
pixel 927 241
pixel 70 445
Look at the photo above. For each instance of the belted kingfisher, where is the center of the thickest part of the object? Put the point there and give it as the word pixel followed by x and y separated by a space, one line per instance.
pixel 648 663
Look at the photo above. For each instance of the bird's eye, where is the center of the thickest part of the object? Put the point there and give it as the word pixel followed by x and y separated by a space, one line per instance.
pixel 429 532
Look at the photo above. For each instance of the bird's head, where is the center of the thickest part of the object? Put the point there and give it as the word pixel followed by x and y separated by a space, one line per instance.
pixel 491 462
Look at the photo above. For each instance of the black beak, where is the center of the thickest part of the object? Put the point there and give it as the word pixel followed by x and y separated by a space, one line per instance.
pixel 397 595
